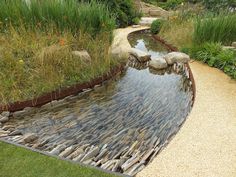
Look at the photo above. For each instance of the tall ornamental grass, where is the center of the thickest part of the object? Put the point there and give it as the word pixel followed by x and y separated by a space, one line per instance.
pixel 221 28
pixel 69 15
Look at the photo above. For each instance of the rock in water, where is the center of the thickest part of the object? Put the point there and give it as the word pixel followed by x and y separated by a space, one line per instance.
pixel 158 63
pixel 67 151
pixel 176 57
pixel 92 153
pixel 140 55
pixel 3 119
pixel 30 137
pixel 5 114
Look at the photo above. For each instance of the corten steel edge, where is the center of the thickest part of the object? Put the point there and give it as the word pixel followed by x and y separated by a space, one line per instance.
pixel 61 93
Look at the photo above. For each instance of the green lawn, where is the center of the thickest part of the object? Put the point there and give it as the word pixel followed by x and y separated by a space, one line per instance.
pixel 19 162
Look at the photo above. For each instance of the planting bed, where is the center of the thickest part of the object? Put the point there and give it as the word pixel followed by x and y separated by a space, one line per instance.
pixel 120 125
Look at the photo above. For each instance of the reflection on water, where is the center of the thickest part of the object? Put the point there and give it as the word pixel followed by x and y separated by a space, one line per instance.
pixel 134 114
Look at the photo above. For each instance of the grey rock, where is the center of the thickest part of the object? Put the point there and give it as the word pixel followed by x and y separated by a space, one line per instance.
pixel 79 157
pixel 101 154
pixel 82 55
pixel 3 133
pixel 3 119
pixel 57 150
pixel 158 63
pixel 19 114
pixel 92 153
pixel 147 155
pixel 108 164
pixel 17 138
pixel 176 57
pixel 5 114
pixel 87 162
pixel 130 163
pixel 16 132
pixel 140 55
pixel 30 137
pixel 136 168
pixel 76 153
pixel 67 151
pixel 7 127
pixel 118 164
pixel 98 163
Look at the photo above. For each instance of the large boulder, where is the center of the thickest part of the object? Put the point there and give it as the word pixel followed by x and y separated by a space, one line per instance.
pixel 140 55
pixel 158 63
pixel 83 55
pixel 176 57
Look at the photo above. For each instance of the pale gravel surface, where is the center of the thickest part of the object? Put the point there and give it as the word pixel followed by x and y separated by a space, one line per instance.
pixel 206 144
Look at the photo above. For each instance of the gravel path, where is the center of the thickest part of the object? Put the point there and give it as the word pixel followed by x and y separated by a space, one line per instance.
pixel 206 144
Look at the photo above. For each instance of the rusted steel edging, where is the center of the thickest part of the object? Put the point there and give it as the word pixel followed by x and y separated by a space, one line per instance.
pixel 64 159
pixel 175 49
pixel 61 93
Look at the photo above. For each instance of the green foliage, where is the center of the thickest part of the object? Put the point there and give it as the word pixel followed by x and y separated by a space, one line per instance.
pixel 220 28
pixel 172 4
pixel 156 26
pixel 123 10
pixel 214 55
pixel 218 5
pixel 70 15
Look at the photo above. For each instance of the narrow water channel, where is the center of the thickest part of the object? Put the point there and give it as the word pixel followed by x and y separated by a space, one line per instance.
pixel 120 125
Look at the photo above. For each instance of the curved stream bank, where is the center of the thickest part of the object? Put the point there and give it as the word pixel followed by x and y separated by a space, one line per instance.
pixel 119 126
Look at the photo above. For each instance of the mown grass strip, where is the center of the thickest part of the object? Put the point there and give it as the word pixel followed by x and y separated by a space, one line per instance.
pixel 17 161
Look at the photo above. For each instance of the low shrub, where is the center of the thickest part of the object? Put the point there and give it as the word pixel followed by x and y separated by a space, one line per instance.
pixel 220 28
pixel 156 26
pixel 214 55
